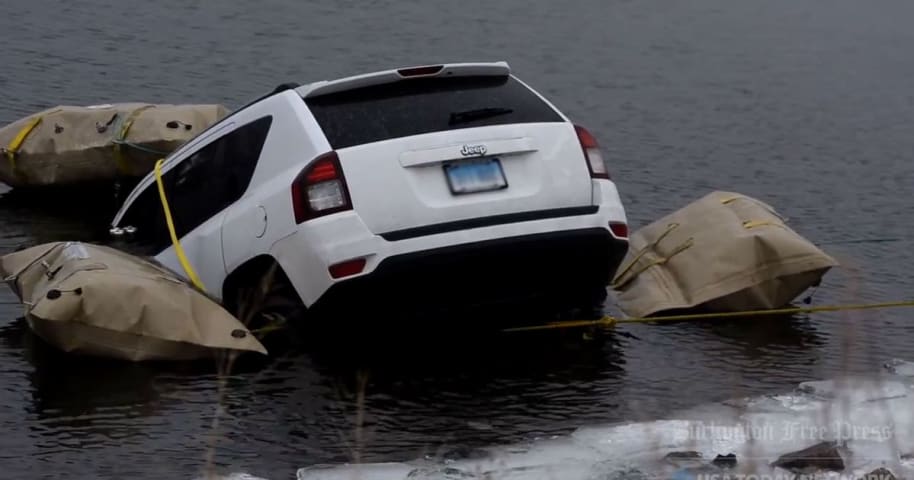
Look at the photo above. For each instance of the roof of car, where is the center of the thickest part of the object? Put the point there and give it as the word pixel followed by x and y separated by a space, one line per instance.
pixel 395 75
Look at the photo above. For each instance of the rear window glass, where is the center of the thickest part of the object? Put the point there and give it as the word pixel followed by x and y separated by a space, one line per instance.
pixel 424 105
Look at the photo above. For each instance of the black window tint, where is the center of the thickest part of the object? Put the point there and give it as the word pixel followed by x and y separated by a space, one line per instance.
pixel 197 191
pixel 242 150
pixel 201 186
pixel 217 176
pixel 146 215
pixel 417 106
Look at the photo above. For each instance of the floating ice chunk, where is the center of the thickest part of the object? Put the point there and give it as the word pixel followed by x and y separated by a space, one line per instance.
pixel 785 403
pixel 370 471
pixel 533 459
pixel 635 438
pixel 907 460
pixel 856 390
pixel 870 418
pixel 900 367
pixel 442 473
pixel 614 473
pixel 796 402
pixel 235 476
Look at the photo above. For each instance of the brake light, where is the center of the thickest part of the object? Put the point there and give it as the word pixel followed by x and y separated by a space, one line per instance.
pixel 320 189
pixel 592 153
pixel 321 172
pixel 420 71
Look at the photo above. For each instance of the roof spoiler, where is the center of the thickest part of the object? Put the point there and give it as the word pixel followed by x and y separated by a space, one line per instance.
pixel 396 75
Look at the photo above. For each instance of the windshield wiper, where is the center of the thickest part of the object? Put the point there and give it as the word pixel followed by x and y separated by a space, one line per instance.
pixel 477 114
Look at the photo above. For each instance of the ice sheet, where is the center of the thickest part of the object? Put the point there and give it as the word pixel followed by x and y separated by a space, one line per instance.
pixel 871 417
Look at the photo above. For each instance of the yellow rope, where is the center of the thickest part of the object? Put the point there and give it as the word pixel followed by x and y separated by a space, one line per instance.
pixel 749 224
pixel 188 268
pixel 13 148
pixel 608 321
pixel 660 261
pixel 624 270
pixel 728 200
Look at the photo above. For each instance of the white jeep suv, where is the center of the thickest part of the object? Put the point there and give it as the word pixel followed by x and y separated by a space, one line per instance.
pixel 434 185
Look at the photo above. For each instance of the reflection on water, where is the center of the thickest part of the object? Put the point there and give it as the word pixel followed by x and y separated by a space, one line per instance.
pixel 31 218
pixel 757 336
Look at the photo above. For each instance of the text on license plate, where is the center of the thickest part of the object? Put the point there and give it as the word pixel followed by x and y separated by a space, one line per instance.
pixel 477 175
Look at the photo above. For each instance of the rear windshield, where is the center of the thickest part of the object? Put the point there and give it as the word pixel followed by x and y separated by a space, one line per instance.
pixel 417 106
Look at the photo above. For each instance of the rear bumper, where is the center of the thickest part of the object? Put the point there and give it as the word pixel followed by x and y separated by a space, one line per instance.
pixel 556 266
pixel 579 239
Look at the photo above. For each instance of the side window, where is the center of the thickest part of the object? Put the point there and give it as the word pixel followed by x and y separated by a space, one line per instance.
pixel 146 215
pixel 242 151
pixel 217 176
pixel 200 186
pixel 195 187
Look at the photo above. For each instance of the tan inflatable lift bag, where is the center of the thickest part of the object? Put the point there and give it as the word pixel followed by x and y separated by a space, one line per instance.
pixel 724 252
pixel 69 145
pixel 99 301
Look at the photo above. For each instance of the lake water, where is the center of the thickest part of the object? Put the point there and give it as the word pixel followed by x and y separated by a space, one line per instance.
pixel 805 104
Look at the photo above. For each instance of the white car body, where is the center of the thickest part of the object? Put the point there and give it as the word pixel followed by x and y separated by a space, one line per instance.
pixel 400 202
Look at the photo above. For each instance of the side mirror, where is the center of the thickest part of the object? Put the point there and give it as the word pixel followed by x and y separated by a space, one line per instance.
pixel 124 239
pixel 123 233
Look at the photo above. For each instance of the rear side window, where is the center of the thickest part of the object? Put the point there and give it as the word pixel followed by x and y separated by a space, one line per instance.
pixel 425 105
pixel 216 176
pixel 200 186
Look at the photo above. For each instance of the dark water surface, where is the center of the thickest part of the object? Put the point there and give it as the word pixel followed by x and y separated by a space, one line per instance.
pixel 806 104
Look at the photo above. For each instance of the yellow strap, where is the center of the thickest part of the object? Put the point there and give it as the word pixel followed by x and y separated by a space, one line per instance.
pixel 621 276
pixel 661 261
pixel 608 321
pixel 171 230
pixel 122 135
pixel 13 148
pixel 761 223
pixel 769 208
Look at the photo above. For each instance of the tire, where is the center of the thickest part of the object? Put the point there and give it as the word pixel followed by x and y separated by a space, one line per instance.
pixel 263 298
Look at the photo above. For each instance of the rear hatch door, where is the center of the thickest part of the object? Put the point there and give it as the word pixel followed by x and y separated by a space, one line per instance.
pixel 429 151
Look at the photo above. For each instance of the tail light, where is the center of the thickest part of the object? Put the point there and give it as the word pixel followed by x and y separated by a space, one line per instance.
pixel 592 153
pixel 347 269
pixel 320 189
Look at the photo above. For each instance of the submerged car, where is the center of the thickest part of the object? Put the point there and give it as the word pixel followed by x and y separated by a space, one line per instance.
pixel 436 186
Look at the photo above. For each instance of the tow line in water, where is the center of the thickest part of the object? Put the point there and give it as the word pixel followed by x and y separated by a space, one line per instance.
pixel 609 321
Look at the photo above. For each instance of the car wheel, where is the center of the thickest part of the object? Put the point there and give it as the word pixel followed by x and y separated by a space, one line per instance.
pixel 264 300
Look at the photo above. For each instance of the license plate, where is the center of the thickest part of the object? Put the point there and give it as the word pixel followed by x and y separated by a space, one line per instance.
pixel 478 175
